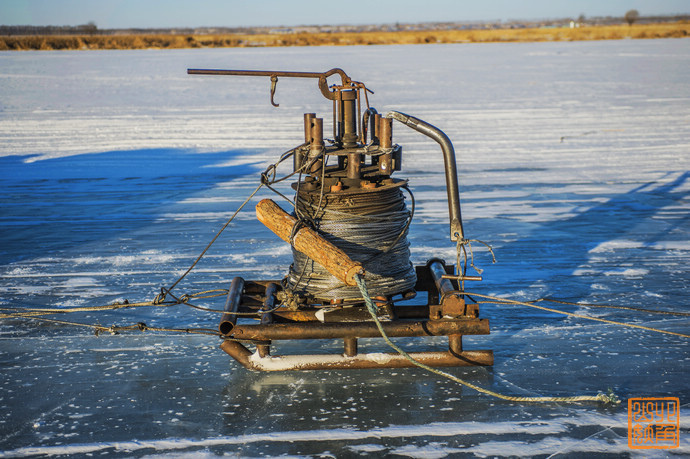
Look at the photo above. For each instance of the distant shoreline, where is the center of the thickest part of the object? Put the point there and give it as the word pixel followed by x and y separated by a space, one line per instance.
pixel 680 29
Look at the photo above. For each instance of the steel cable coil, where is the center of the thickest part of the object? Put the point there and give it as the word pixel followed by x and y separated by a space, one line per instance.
pixel 371 227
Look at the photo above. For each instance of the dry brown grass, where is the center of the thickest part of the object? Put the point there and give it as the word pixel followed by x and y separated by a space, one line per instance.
pixel 616 32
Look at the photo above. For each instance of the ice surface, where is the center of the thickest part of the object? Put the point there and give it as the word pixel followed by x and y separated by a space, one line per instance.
pixel 118 168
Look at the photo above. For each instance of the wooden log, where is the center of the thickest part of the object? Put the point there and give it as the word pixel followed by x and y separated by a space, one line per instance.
pixel 309 242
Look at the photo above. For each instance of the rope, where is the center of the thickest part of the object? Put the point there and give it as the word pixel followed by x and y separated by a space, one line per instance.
pixel 606 398
pixel 268 177
pixel 608 306
pixel 141 326
pixel 39 313
pixel 463 245
pixel 20 312
pixel 498 300
pixel 161 297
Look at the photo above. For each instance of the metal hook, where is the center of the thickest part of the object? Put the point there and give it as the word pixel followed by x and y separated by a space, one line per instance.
pixel 274 82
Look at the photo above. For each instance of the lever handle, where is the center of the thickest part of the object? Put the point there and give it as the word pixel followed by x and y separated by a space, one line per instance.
pixel 321 76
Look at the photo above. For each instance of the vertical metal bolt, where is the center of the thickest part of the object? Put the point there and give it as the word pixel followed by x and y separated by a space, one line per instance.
pixel 350 347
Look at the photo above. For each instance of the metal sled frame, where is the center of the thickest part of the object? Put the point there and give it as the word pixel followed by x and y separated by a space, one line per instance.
pixel 284 316
pixel 445 314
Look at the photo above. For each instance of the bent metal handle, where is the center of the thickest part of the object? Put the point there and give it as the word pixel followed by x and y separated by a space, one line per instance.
pixel 309 242
pixel 274 74
pixel 456 231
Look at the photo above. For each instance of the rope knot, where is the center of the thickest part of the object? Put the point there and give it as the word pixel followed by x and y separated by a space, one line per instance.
pixel 464 245
pixel 609 397
pixel 299 224
pixel 270 170
pixel 160 298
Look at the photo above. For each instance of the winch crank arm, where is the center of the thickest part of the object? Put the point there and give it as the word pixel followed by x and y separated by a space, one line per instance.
pixel 274 75
pixel 456 231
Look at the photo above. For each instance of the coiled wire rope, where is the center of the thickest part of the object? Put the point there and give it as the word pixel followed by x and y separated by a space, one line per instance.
pixel 371 226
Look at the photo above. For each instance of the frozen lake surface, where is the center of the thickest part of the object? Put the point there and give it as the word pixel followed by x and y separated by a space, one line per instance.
pixel 118 169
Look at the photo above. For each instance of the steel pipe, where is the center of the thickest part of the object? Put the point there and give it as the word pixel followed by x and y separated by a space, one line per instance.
pixel 350 347
pixel 328 330
pixel 456 231
pixel 438 271
pixel 359 361
pixel 232 304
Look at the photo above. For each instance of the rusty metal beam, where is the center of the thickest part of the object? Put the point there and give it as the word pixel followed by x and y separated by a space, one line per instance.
pixel 237 351
pixel 396 328
pixel 438 270
pixel 309 315
pixel 232 304
pixel 269 303
pixel 274 74
pixel 359 361
pixel 350 347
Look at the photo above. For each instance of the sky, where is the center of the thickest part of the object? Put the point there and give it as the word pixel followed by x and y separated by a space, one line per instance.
pixel 110 14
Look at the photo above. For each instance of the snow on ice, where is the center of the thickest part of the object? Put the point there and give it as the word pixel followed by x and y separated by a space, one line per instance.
pixel 118 168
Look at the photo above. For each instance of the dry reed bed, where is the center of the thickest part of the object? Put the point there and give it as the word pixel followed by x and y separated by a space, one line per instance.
pixel 667 30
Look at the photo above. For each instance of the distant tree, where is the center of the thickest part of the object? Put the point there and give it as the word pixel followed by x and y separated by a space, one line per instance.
pixel 631 16
pixel 89 28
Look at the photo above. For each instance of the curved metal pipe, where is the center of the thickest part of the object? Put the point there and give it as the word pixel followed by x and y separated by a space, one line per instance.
pixel 456 230
pixel 369 112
